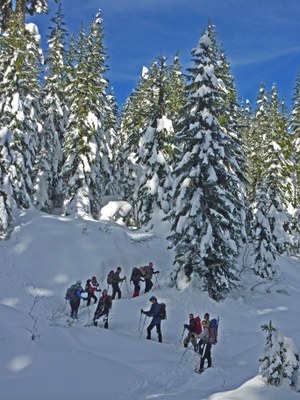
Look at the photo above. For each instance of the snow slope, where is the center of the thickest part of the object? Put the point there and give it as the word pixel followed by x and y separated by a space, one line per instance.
pixel 48 253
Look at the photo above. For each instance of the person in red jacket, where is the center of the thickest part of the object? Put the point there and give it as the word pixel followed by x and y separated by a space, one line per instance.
pixel 91 287
pixel 191 336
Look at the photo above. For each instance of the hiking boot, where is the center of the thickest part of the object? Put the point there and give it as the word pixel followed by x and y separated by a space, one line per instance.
pixel 95 322
pixel 148 337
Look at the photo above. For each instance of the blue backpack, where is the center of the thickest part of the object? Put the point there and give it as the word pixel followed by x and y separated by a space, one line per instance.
pixel 213 331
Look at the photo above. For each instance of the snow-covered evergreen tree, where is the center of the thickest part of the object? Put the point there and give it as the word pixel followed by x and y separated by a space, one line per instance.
pixel 20 111
pixel 295 140
pixel 9 8
pixel 263 248
pixel 275 173
pixel 257 134
pixel 113 138
pixel 49 160
pixel 86 170
pixel 229 119
pixel 280 358
pixel 205 221
pixel 153 183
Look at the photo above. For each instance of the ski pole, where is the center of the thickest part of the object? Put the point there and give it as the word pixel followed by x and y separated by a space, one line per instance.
pixel 127 288
pixel 140 322
pixel 143 326
pixel 178 342
pixel 157 282
pixel 182 335
pixel 184 353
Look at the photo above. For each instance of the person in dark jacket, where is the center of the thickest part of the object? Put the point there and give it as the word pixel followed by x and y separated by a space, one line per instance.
pixel 115 283
pixel 91 287
pixel 149 272
pixel 191 336
pixel 154 312
pixel 103 307
pixel 75 298
pixel 136 278
pixel 205 347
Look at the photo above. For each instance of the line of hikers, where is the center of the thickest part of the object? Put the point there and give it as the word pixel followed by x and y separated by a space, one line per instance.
pixel 76 293
pixel 202 335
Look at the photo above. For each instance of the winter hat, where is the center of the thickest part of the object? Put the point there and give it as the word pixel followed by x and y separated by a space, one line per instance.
pixel 78 282
pixel 104 291
pixel 153 298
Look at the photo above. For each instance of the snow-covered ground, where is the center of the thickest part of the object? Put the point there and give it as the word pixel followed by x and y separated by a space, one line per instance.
pixel 48 253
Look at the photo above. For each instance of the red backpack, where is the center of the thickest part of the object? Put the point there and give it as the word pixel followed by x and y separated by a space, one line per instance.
pixel 198 325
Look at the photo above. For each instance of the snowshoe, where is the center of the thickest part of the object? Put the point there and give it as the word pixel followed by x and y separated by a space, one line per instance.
pixel 199 371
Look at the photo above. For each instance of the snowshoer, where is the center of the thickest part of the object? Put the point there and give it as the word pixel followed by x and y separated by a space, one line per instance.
pixel 103 307
pixel 205 347
pixel 91 287
pixel 74 296
pixel 149 272
pixel 206 318
pixel 115 283
pixel 136 278
pixel 191 336
pixel 154 312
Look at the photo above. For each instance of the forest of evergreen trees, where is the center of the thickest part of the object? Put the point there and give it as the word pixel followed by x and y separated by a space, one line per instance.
pixel 223 174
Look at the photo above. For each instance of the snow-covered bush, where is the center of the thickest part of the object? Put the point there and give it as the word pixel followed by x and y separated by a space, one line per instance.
pixel 280 358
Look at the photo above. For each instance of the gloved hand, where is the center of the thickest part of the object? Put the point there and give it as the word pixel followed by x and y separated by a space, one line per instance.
pixel 142 311
pixel 185 326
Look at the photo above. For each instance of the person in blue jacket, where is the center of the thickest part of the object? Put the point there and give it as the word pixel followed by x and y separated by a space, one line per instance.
pixel 74 296
pixel 154 312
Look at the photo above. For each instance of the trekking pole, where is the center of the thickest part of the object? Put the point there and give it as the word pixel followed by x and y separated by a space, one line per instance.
pixel 184 353
pixel 127 288
pixel 180 340
pixel 157 282
pixel 140 322
pixel 143 326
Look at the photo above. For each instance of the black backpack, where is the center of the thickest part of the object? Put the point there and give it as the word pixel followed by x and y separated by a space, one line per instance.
pixel 163 311
pixel 110 277
pixel 136 273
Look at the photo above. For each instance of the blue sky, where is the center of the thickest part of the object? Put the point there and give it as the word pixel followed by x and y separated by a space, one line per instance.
pixel 260 37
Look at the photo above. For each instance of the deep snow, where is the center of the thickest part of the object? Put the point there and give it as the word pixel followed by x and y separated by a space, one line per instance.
pixel 48 253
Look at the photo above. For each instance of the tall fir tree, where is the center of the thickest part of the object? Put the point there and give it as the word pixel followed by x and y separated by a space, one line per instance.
pixel 204 220
pixel 258 133
pixel 10 9
pixel 275 174
pixel 49 160
pixel 295 140
pixel 154 181
pixel 20 110
pixel 86 170
pixel 264 250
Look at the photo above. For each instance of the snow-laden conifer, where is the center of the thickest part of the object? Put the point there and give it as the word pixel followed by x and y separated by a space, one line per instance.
pixel 263 248
pixel 205 219
pixel 20 111
pixel 153 179
pixel 86 170
pixel 55 115
pixel 280 358
pixel 9 8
